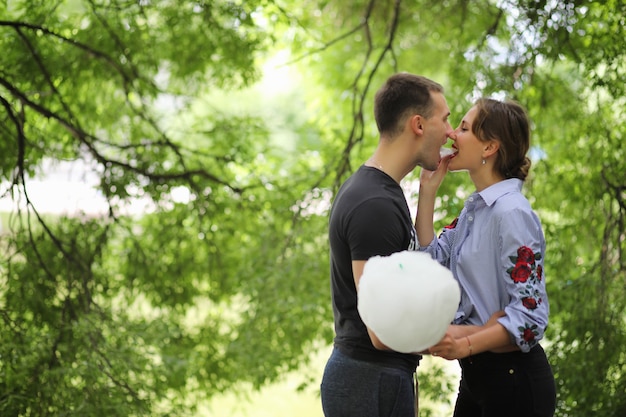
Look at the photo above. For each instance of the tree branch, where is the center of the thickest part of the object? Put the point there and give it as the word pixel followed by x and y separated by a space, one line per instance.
pixel 89 141
pixel 356 133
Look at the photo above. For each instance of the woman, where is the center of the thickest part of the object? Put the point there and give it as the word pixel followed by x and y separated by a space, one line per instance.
pixel 495 249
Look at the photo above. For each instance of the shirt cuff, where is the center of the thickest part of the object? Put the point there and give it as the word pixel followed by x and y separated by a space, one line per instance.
pixel 428 247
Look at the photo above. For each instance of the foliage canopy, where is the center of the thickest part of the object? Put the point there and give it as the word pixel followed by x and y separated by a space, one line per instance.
pixel 223 280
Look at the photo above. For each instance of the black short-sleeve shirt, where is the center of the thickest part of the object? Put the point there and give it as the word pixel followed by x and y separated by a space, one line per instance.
pixel 369 217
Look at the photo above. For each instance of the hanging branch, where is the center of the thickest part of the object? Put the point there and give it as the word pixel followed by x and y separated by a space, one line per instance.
pixel 615 221
pixel 356 133
pixel 89 141
pixel 127 80
pixel 342 165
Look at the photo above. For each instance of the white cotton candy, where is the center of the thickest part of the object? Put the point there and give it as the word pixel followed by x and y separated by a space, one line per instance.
pixel 443 152
pixel 408 299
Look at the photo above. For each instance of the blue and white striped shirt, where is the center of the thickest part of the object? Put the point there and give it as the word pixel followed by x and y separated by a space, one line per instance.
pixel 495 249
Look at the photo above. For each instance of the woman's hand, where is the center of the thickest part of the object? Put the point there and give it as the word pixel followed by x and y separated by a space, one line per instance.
pixel 431 180
pixel 491 337
pixel 494 318
pixel 450 348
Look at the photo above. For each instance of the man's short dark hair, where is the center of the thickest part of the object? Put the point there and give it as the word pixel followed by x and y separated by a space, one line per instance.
pixel 403 95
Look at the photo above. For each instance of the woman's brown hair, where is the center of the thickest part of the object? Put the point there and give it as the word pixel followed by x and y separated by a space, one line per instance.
pixel 507 123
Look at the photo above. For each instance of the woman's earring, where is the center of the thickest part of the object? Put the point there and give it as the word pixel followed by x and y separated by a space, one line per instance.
pixel 484 162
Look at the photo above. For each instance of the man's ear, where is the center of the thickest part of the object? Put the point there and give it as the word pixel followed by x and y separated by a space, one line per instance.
pixel 490 148
pixel 416 124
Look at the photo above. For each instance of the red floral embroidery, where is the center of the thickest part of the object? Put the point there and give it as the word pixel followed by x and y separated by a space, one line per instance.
pixel 539 272
pixel 530 297
pixel 526 271
pixel 521 272
pixel 527 274
pixel 530 303
pixel 525 267
pixel 526 255
pixel 528 334
pixel 453 224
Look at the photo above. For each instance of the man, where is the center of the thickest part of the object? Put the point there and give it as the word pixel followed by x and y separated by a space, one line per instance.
pixel 369 217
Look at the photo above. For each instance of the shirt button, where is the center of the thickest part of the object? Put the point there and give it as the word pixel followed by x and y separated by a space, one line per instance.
pixel 470 218
pixel 511 371
pixel 471 199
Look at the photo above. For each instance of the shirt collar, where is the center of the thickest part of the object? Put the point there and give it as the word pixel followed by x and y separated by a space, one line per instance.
pixel 497 190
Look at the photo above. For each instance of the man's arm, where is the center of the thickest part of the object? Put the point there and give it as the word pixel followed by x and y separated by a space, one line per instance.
pixel 357 272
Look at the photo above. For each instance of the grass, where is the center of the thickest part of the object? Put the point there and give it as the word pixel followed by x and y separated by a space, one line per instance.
pixel 283 399
pixel 278 400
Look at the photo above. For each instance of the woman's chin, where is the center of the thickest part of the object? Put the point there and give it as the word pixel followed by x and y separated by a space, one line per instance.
pixel 453 168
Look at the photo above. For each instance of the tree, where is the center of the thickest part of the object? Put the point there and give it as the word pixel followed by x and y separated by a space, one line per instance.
pixel 565 62
pixel 126 315
pixel 590 211
pixel 121 314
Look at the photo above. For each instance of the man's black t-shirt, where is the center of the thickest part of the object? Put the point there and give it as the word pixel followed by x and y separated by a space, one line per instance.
pixel 369 217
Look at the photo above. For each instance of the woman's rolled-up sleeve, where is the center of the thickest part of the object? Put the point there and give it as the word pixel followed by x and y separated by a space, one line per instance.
pixel 522 254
